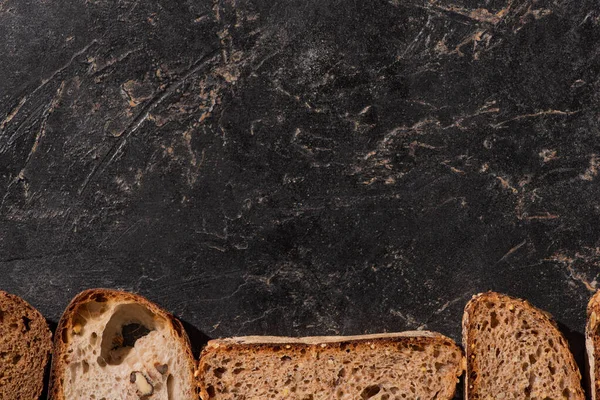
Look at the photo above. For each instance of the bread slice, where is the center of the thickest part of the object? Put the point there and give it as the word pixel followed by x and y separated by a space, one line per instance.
pixel 592 342
pixel 409 365
pixel 25 345
pixel 112 345
pixel 515 351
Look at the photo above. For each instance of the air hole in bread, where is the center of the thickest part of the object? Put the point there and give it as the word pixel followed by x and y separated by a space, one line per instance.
pixel 26 323
pixel 170 388
pixel 128 323
pixel 493 320
pixel 99 298
pixel 211 391
pixel 370 391
pixel 64 335
pixel 219 372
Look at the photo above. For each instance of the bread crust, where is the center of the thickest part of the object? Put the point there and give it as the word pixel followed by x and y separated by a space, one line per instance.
pixel 65 327
pixel 265 344
pixel 44 344
pixel 593 317
pixel 467 338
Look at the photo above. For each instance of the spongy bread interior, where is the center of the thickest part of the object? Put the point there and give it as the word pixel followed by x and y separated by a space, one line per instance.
pixel 123 350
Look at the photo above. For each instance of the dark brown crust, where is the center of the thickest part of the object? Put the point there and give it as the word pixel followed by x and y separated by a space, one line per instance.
pixel 231 345
pixel 43 345
pixel 593 343
pixel 65 326
pixel 540 315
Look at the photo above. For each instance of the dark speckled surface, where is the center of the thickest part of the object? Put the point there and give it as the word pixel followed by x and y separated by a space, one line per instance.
pixel 302 168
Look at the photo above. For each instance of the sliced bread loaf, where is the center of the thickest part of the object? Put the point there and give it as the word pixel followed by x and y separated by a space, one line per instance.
pixel 515 351
pixel 114 345
pixel 410 365
pixel 25 345
pixel 592 343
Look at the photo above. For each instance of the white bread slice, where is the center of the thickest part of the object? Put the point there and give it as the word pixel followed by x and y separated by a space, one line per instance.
pixel 410 365
pixel 114 345
pixel 25 345
pixel 515 351
pixel 592 342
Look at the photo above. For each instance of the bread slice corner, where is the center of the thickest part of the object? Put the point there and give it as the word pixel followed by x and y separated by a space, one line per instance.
pixel 114 345
pixel 25 346
pixel 516 351
pixel 421 364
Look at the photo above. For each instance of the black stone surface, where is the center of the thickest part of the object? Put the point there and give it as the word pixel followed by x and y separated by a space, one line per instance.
pixel 302 167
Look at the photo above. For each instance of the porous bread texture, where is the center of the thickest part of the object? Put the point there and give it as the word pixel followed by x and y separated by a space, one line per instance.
pixel 114 345
pixel 515 351
pixel 412 366
pixel 25 345
pixel 592 342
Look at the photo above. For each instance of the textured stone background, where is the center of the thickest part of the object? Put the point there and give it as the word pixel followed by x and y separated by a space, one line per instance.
pixel 302 167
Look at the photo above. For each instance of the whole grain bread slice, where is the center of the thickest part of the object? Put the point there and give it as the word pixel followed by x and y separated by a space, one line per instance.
pixel 592 343
pixel 25 345
pixel 515 351
pixel 410 365
pixel 115 345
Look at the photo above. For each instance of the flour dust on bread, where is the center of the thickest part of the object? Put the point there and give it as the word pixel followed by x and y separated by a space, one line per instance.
pixel 25 345
pixel 410 365
pixel 515 351
pixel 114 345
pixel 592 344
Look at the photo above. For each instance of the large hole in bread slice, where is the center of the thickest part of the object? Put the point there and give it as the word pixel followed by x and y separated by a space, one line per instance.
pixel 128 323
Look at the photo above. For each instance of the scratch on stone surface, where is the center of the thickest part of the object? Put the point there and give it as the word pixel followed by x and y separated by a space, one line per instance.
pixel 416 39
pixel 142 117
pixel 36 142
pixel 43 83
pixel 568 262
pixel 512 251
pixel 252 320
pixel 535 115
pixel 592 170
pixel 479 15
pixel 408 319
pixel 505 183
pixel 65 66
pixel 545 216
pixel 42 131
pixel 95 69
pixel 12 113
pixel 477 36
pixel 453 169
pixel 306 104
